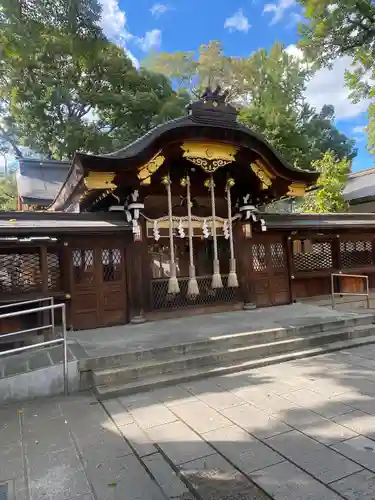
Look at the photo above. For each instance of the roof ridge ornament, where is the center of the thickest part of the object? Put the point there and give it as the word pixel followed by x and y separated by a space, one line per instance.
pixel 213 107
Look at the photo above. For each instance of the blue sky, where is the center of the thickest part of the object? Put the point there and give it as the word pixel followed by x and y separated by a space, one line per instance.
pixel 242 26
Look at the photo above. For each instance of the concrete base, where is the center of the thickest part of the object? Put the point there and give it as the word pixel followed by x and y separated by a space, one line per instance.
pixel 249 306
pixel 138 320
pixel 48 381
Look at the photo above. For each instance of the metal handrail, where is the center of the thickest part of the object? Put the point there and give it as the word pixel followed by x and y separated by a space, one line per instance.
pixel 51 300
pixel 60 340
pixel 333 293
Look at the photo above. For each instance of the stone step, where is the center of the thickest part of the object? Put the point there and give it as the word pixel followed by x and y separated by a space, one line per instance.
pixel 115 390
pixel 179 365
pixel 219 343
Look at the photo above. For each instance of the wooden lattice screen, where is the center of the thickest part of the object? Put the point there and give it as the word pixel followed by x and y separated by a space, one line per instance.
pixel 21 271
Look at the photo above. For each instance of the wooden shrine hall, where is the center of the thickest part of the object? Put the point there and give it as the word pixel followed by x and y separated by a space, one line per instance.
pixel 172 224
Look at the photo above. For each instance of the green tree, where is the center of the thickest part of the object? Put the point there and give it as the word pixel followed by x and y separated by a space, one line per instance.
pixel 197 70
pixel 68 88
pixel 8 194
pixel 334 29
pixel 328 197
pixel 268 86
pixel 346 28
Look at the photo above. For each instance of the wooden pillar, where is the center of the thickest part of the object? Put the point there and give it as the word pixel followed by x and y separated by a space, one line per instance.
pixel 244 260
pixel 137 283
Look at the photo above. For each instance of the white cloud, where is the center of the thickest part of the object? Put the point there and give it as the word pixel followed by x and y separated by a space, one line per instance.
pixel 278 9
pixel 113 23
pixel 295 18
pixel 158 9
pixel 327 86
pixel 359 130
pixel 151 40
pixel 237 22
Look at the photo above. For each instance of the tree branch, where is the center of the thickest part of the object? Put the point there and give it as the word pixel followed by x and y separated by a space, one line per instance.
pixel 6 137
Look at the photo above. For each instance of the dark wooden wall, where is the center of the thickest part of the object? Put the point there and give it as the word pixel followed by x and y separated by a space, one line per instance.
pixel 317 256
pixel 107 279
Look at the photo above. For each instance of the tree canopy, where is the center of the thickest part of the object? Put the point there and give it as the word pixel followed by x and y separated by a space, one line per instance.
pixel 8 194
pixel 334 29
pixel 346 28
pixel 269 89
pixel 328 197
pixel 66 87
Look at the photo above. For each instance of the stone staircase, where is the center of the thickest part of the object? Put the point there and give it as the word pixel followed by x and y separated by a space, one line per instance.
pixel 137 371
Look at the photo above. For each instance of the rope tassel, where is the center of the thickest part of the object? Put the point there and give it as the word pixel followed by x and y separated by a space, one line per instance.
pixel 232 276
pixel 173 286
pixel 193 289
pixel 216 277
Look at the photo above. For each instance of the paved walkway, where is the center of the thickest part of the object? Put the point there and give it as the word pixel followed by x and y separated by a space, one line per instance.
pixel 302 430
pixel 107 341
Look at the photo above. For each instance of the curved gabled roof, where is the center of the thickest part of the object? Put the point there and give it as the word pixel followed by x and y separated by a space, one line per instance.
pixel 210 119
pixel 179 129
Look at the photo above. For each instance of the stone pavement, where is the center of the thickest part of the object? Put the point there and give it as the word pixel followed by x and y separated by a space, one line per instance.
pixel 303 430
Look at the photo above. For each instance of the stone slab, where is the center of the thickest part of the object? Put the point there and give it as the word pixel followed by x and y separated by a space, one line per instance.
pixel 255 421
pixel 138 439
pixel 316 459
pixel 318 403
pixel 179 442
pixel 123 477
pixel 360 422
pixel 117 412
pixel 244 451
pixel 166 477
pixel 213 395
pixel 152 415
pixel 215 479
pixel 360 449
pixel 285 481
pixel 359 486
pixel 200 417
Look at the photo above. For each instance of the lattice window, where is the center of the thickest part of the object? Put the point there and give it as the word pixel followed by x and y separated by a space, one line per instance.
pixel 20 272
pixel 53 266
pixel 356 253
pixel 83 266
pixel 318 257
pixel 161 300
pixel 277 255
pixel 112 264
pixel 258 251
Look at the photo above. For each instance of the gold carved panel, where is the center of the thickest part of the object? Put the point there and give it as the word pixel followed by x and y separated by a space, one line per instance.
pixel 296 189
pixel 263 174
pixel 209 155
pixel 146 171
pixel 100 180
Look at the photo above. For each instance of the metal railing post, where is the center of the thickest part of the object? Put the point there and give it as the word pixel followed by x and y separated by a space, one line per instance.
pixel 368 292
pixel 63 339
pixel 65 347
pixel 332 292
pixel 53 317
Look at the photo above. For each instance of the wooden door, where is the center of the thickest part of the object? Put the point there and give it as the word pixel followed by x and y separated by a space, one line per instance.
pixel 269 270
pixel 99 290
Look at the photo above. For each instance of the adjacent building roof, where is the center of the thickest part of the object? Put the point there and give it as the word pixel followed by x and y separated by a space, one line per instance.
pixel 55 223
pixel 39 181
pixel 58 223
pixel 360 186
pixel 319 222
